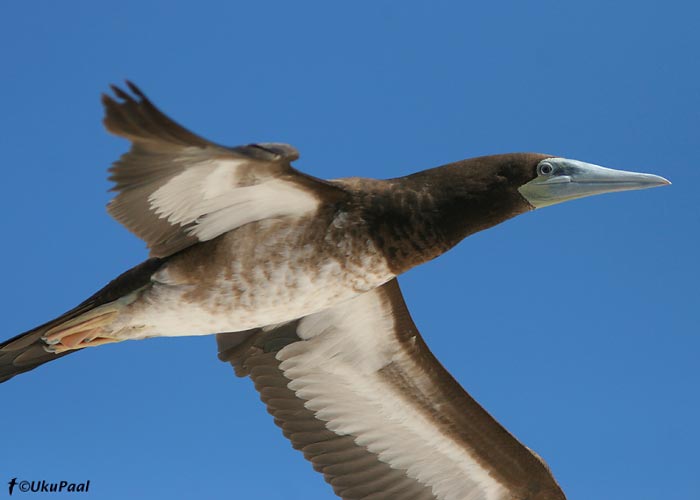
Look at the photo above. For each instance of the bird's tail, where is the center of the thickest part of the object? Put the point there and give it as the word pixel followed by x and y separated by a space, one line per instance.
pixel 78 328
pixel 28 350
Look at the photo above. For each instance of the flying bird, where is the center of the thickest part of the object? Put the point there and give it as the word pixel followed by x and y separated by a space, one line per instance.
pixel 297 277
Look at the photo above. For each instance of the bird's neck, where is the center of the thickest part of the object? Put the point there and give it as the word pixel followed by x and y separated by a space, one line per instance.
pixel 419 217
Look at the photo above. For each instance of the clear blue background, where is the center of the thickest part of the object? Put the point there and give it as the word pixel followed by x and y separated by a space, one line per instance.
pixel 576 326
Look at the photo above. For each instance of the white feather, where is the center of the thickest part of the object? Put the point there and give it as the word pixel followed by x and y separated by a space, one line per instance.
pixel 215 196
pixel 337 372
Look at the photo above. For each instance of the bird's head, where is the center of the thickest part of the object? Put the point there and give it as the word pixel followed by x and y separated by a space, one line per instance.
pixel 479 193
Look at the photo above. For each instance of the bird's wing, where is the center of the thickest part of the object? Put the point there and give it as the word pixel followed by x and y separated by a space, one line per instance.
pixel 356 389
pixel 176 188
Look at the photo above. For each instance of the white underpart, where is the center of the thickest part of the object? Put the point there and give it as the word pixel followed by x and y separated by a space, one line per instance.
pixel 336 371
pixel 211 195
pixel 270 279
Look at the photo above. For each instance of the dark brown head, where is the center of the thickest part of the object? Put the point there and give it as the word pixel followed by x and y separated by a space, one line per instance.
pixel 461 198
pixel 471 195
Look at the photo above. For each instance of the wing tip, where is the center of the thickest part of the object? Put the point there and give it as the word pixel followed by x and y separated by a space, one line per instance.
pixel 136 90
pixel 118 107
pixel 121 93
pixel 131 114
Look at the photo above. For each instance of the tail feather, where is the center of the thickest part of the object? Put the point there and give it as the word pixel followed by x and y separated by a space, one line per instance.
pixel 27 350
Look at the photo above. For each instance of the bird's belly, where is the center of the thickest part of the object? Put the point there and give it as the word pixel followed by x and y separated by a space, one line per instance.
pixel 265 286
pixel 175 313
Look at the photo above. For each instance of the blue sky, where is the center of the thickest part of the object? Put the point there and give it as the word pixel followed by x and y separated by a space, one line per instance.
pixel 576 326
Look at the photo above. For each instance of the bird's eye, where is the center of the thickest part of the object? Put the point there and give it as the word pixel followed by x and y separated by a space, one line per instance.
pixel 545 169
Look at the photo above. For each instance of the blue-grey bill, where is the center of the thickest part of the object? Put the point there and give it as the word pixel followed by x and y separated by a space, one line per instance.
pixel 561 179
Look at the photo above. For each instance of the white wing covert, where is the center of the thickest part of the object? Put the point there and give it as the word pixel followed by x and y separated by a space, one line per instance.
pixel 175 189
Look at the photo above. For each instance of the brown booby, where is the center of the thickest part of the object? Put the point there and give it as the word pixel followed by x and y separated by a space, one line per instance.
pixel 297 276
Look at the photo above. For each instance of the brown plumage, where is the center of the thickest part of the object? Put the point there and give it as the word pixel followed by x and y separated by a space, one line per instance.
pixel 301 272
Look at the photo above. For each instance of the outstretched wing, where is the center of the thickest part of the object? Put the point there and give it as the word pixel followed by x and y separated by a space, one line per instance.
pixel 176 188
pixel 356 389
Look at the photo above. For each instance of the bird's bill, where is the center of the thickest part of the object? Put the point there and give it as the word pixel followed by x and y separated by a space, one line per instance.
pixel 561 179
